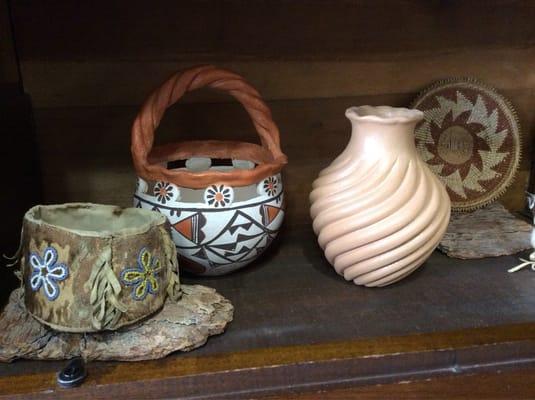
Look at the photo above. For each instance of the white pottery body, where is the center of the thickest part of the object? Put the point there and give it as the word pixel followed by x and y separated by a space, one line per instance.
pixel 218 229
pixel 378 211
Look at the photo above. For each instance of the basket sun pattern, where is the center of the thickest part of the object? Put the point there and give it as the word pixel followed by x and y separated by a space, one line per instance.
pixel 470 138
pixel 222 216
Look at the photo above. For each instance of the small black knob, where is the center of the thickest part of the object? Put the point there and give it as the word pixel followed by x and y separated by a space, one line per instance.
pixel 73 374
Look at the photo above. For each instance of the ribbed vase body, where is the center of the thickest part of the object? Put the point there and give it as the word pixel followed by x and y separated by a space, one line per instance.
pixel 378 211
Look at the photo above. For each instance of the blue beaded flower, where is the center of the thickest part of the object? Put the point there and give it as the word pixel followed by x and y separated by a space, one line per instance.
pixel 46 273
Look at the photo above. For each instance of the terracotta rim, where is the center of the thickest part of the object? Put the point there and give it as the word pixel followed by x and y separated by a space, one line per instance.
pixel 150 162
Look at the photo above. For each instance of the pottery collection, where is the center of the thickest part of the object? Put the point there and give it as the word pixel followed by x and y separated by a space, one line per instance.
pixel 378 210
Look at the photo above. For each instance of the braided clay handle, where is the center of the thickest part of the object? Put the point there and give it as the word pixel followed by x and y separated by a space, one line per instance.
pixel 269 157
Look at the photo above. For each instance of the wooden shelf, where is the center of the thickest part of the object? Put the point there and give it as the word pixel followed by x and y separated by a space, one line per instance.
pixel 503 384
pixel 298 325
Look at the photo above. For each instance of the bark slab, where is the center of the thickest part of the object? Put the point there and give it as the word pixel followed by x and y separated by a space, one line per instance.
pixel 181 326
pixel 488 232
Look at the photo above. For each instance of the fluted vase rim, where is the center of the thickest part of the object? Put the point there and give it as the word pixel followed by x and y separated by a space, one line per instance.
pixel 384 114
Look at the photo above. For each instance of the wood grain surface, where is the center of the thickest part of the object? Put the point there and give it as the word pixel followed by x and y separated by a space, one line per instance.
pixel 299 325
pixel 65 83
pixel 502 384
pixel 287 49
pixel 88 89
pixel 85 151
pixel 266 29
pixel 291 369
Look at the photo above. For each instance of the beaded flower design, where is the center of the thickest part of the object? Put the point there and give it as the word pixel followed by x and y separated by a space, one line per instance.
pixel 218 195
pixel 143 277
pixel 47 273
pixel 165 191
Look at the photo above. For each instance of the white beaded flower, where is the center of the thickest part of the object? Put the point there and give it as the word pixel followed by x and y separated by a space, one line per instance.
pixel 47 273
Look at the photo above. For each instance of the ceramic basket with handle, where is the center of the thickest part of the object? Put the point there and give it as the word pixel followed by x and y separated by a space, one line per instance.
pixel 222 216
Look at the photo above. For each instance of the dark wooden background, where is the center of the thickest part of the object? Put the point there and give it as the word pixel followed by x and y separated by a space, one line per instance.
pixel 19 158
pixel 87 67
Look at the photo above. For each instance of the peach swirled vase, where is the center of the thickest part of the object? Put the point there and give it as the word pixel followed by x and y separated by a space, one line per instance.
pixel 378 210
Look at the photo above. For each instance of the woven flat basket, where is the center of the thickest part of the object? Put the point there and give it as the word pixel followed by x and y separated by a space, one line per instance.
pixel 470 138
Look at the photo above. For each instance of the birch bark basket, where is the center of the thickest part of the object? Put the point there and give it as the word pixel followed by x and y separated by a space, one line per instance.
pixel 89 267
